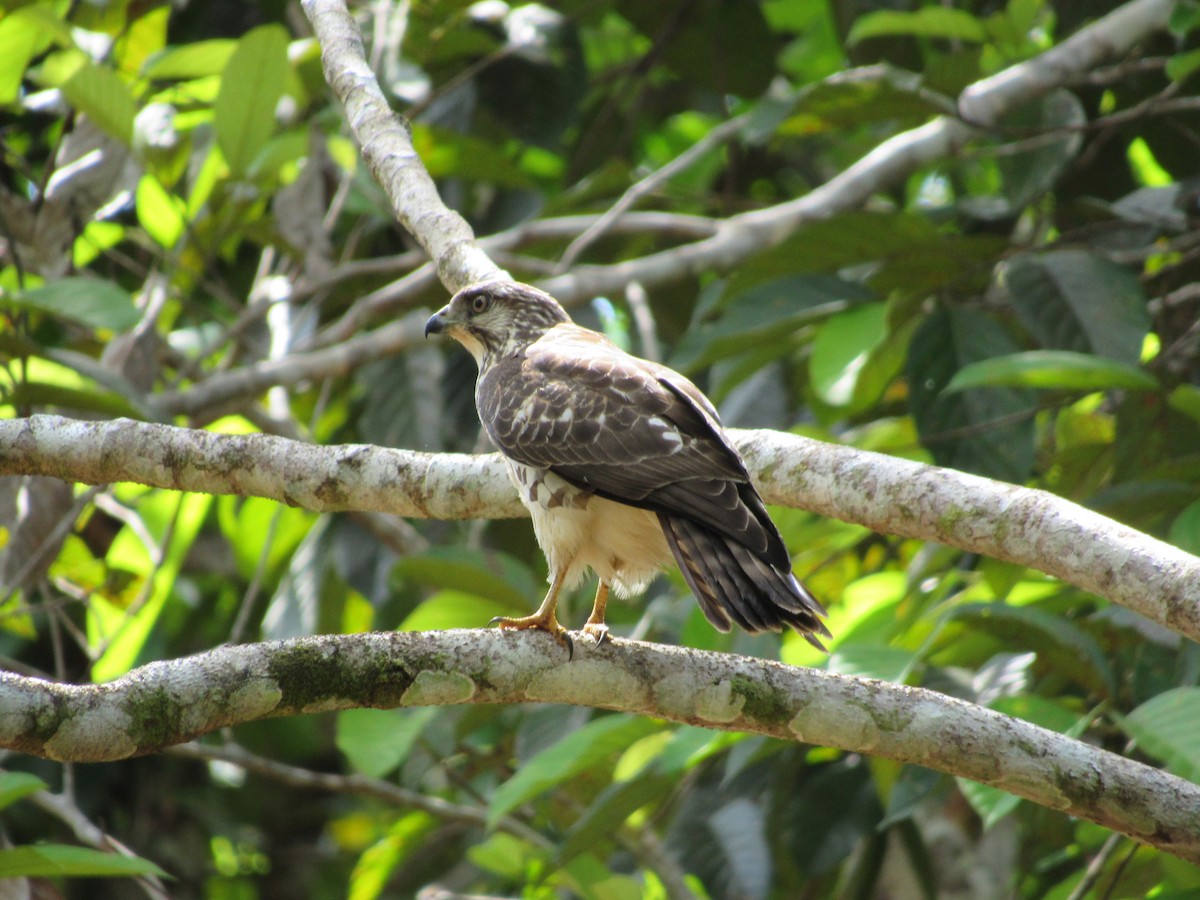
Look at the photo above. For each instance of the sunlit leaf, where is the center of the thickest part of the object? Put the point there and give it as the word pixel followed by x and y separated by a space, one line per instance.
pixel 1060 370
pixel 590 745
pixel 253 80
pixel 194 60
pixel 378 740
pixel 841 349
pixel 62 860
pixel 15 785
pixel 99 92
pixel 928 21
pixel 1168 728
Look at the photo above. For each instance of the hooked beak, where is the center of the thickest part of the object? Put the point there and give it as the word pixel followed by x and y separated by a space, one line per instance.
pixel 438 322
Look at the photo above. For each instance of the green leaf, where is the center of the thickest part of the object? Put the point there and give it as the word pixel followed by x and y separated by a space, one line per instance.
pixel 1185 530
pixel 490 575
pixel 1060 370
pixel 872 661
pixel 763 313
pixel 1075 300
pixel 841 349
pixel 610 809
pixel 990 804
pixel 1168 728
pixel 100 92
pixel 376 741
pixel 15 785
pixel 1058 642
pixel 160 213
pixel 22 37
pixel 89 301
pixel 198 60
pixel 577 752
pixel 252 83
pixel 928 21
pixel 63 860
pixel 1181 66
pixel 979 431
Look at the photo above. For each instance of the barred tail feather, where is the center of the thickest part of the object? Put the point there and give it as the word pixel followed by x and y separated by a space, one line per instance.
pixel 735 586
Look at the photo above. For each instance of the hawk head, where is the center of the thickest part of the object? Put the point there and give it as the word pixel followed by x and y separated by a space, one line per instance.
pixel 493 319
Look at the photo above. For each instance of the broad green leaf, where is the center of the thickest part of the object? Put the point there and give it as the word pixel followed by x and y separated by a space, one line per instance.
pixel 165 514
pixel 95 238
pixel 376 741
pixel 448 153
pixel 89 301
pixel 872 661
pixel 1168 728
pixel 1061 370
pixel 981 431
pixel 22 37
pixel 188 61
pixel 1185 530
pixel 990 804
pixel 609 811
pixel 577 752
pixel 841 349
pixel 160 213
pixel 369 878
pixel 101 93
pixel 15 785
pixel 66 861
pixel 772 310
pixel 1182 65
pixel 1075 300
pixel 456 609
pixel 831 105
pixel 37 394
pixel 1059 643
pixel 489 575
pixel 252 83
pixel 929 21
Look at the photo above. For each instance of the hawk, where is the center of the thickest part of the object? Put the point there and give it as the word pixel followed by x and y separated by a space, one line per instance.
pixel 622 464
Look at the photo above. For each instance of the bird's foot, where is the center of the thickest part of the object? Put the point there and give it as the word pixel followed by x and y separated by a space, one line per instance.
pixel 598 631
pixel 548 624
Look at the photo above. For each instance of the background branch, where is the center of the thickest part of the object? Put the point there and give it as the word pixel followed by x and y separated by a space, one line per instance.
pixel 895 496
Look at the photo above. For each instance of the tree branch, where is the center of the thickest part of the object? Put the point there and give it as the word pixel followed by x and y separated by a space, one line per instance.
pixel 895 496
pixel 170 702
pixel 387 149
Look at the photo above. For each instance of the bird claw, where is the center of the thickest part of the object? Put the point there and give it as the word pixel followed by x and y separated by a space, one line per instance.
pixel 548 624
pixel 597 631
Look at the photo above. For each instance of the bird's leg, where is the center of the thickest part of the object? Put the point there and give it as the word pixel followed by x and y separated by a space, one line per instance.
pixel 595 624
pixel 544 619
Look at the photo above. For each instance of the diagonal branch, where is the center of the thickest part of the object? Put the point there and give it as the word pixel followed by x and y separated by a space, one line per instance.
pixel 165 703
pixel 895 496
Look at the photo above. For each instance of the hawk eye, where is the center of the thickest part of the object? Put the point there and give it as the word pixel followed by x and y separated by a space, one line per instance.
pixel 479 303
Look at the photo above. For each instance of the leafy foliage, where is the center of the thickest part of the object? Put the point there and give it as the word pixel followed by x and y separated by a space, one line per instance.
pixel 181 212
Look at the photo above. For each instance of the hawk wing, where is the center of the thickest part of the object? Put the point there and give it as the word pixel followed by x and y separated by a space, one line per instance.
pixel 639 433
pixel 625 429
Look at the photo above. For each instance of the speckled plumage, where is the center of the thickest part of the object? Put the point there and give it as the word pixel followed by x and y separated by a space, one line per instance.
pixel 622 463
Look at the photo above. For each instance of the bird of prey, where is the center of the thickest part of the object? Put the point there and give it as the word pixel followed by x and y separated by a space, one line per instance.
pixel 622 464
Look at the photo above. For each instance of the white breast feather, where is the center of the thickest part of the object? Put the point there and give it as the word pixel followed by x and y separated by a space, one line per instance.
pixel 623 545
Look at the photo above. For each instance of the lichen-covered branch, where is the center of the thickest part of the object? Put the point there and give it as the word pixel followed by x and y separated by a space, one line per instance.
pixel 893 496
pixel 166 703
